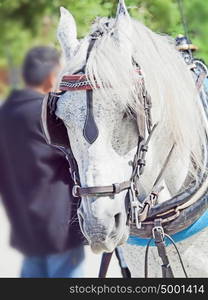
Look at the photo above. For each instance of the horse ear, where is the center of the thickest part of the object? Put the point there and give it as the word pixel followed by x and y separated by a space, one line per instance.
pixel 67 33
pixel 122 10
pixel 123 23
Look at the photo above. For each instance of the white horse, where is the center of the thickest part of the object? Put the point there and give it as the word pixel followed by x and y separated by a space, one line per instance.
pixel 116 88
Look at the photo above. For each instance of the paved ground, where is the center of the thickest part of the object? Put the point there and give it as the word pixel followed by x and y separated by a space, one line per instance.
pixel 10 259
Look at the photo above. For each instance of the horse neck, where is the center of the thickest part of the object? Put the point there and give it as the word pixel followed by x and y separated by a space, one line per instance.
pixel 175 171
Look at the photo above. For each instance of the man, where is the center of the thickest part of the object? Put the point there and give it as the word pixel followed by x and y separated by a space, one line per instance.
pixel 35 184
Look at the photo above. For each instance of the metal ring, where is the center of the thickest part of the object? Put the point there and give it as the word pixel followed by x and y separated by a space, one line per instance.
pixel 75 190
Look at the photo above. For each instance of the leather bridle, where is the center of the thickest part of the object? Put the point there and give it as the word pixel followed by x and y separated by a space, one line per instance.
pixel 81 82
pixel 147 218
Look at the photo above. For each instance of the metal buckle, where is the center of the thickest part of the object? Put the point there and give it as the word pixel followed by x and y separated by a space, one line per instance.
pixel 138 223
pixel 160 229
pixel 135 207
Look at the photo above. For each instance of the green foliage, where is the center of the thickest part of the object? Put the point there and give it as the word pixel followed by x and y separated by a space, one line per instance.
pixel 196 15
pixel 25 23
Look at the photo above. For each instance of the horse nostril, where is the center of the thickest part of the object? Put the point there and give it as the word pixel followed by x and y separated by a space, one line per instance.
pixel 117 218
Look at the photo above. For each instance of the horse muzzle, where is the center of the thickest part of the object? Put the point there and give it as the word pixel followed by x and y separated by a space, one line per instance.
pixel 104 234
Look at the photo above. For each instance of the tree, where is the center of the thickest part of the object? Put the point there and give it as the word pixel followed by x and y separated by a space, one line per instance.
pixel 25 23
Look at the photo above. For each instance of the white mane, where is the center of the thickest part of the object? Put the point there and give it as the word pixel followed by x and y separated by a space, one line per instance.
pixel 167 80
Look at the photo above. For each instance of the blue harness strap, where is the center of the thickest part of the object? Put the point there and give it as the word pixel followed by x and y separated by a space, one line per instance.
pixel 196 227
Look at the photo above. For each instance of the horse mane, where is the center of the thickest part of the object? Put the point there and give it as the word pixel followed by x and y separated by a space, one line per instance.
pixel 167 79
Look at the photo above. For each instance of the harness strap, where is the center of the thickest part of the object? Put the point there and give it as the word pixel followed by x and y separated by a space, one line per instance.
pixel 161 173
pixel 124 268
pixel 142 208
pixel 90 130
pixel 115 188
pixel 158 236
pixel 105 262
pixel 147 109
pixel 139 158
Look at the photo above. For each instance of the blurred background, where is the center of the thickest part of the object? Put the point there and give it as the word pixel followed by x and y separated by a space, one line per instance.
pixel 26 23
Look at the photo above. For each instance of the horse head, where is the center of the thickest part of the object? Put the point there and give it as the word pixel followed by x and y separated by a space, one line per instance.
pixel 115 59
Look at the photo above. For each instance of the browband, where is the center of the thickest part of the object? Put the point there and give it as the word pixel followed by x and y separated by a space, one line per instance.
pixel 80 82
pixel 75 82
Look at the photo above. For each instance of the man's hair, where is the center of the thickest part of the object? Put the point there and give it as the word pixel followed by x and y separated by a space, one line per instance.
pixel 38 63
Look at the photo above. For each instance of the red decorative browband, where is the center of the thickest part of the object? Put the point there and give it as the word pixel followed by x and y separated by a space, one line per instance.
pixel 75 82
pixel 79 82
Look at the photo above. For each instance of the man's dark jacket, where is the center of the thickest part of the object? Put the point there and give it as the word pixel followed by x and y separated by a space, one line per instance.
pixel 35 184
